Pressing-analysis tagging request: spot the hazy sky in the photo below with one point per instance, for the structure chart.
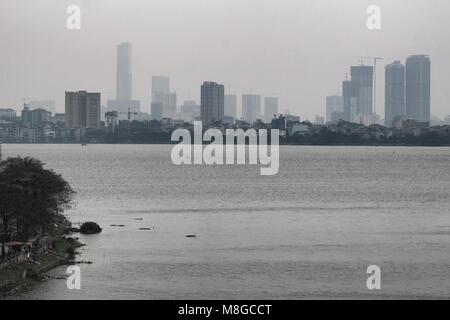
(298, 50)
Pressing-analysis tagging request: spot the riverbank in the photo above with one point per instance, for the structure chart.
(25, 275)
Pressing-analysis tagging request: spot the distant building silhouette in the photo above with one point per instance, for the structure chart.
(161, 94)
(124, 83)
(7, 114)
(212, 102)
(251, 107)
(157, 110)
(270, 108)
(394, 93)
(82, 110)
(350, 102)
(230, 105)
(160, 85)
(124, 73)
(362, 88)
(48, 105)
(418, 87)
(334, 108)
(190, 111)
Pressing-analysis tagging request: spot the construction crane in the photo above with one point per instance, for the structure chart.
(375, 59)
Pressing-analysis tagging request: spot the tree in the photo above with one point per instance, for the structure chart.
(30, 195)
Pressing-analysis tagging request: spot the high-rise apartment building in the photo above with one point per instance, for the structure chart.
(251, 107)
(418, 88)
(362, 89)
(82, 109)
(212, 103)
(394, 106)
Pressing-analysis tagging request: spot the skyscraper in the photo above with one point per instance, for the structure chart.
(212, 102)
(350, 102)
(394, 93)
(160, 85)
(362, 89)
(270, 108)
(124, 72)
(418, 87)
(82, 110)
(230, 105)
(161, 94)
(124, 83)
(334, 108)
(251, 107)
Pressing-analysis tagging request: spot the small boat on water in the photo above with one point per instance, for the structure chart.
(191, 236)
(84, 144)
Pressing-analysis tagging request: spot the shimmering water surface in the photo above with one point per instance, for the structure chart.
(308, 232)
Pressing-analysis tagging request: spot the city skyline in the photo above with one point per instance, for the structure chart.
(301, 74)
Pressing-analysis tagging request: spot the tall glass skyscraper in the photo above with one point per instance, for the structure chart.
(394, 93)
(418, 79)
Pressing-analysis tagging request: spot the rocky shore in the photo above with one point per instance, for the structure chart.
(24, 275)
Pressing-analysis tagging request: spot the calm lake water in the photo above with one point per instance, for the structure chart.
(309, 232)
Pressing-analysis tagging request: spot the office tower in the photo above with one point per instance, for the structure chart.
(82, 110)
(124, 84)
(334, 108)
(394, 106)
(251, 107)
(157, 111)
(161, 94)
(124, 72)
(418, 87)
(362, 89)
(270, 108)
(160, 85)
(230, 105)
(212, 103)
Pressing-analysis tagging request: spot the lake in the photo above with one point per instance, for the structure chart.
(310, 231)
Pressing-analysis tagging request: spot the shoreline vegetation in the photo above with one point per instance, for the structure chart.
(35, 236)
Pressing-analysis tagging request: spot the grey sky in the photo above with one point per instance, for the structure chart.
(298, 50)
